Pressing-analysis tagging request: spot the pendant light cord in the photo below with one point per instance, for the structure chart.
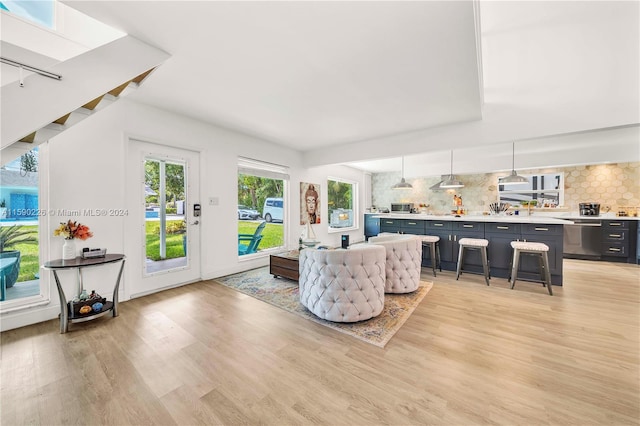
(451, 168)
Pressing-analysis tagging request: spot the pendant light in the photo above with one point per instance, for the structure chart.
(402, 184)
(451, 181)
(513, 178)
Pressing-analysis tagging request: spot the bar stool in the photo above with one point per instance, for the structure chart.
(474, 244)
(531, 248)
(432, 241)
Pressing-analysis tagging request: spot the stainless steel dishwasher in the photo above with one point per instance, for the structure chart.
(583, 239)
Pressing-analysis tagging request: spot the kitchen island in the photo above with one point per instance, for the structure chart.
(497, 229)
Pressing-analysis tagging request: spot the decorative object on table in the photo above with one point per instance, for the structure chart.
(284, 294)
(309, 203)
(87, 302)
(70, 231)
(499, 208)
(457, 202)
(88, 253)
(308, 238)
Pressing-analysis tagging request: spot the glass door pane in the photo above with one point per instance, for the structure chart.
(19, 228)
(165, 225)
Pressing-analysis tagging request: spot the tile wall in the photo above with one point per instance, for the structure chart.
(612, 185)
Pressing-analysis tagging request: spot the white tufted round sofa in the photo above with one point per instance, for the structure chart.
(404, 261)
(343, 285)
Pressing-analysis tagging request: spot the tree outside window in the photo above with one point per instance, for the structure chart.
(341, 196)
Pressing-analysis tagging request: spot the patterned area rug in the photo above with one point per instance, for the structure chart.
(283, 293)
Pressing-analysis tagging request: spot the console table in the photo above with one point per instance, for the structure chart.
(67, 313)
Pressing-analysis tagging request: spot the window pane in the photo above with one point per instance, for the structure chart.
(40, 11)
(546, 190)
(341, 203)
(260, 200)
(19, 227)
(164, 216)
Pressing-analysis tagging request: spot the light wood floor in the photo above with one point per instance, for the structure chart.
(469, 354)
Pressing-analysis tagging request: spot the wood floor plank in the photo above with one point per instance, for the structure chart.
(469, 354)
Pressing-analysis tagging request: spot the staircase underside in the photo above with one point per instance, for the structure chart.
(45, 107)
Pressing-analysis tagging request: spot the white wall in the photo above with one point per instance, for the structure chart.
(87, 171)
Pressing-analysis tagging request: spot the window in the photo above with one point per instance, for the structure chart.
(341, 199)
(20, 231)
(546, 190)
(261, 206)
(41, 12)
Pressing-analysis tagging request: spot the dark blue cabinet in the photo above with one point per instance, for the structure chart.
(371, 225)
(499, 235)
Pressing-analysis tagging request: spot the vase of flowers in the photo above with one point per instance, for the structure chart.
(71, 230)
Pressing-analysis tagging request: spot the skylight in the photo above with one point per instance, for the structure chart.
(41, 12)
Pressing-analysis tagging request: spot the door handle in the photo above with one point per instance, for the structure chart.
(195, 222)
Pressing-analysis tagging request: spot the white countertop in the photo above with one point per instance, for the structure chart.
(469, 218)
(537, 217)
(606, 216)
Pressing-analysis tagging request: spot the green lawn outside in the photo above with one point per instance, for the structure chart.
(273, 233)
(29, 256)
(174, 246)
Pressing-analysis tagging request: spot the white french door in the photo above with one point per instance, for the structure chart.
(163, 230)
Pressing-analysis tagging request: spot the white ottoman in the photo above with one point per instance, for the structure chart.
(404, 261)
(343, 285)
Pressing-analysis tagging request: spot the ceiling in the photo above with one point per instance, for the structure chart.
(378, 78)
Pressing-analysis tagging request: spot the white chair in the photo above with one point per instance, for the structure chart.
(404, 261)
(343, 285)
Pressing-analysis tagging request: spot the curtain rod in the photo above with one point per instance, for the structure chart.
(30, 68)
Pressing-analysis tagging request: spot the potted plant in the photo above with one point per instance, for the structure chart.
(11, 236)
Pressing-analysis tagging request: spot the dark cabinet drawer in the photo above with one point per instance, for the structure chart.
(472, 227)
(615, 249)
(390, 225)
(435, 225)
(615, 224)
(391, 222)
(503, 228)
(413, 226)
(609, 234)
(533, 229)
